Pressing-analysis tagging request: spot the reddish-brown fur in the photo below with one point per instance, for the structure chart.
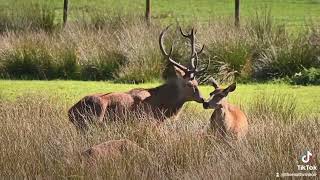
(161, 102)
(111, 150)
(93, 108)
(227, 119)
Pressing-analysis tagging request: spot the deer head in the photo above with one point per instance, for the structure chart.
(186, 76)
(218, 95)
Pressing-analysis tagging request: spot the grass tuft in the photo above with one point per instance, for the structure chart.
(39, 141)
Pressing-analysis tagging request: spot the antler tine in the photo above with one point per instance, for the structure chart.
(168, 56)
(161, 43)
(191, 37)
(183, 34)
(193, 57)
(193, 48)
(199, 52)
(183, 68)
(214, 83)
(195, 61)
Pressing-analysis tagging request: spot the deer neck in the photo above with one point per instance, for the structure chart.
(223, 104)
(168, 95)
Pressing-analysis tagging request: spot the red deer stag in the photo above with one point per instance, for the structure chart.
(162, 102)
(227, 119)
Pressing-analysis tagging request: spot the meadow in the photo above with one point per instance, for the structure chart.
(94, 45)
(38, 141)
(107, 46)
(297, 12)
(69, 92)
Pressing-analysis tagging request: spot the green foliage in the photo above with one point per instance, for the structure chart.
(126, 50)
(275, 53)
(309, 76)
(146, 68)
(105, 67)
(231, 58)
(38, 63)
(69, 68)
(29, 63)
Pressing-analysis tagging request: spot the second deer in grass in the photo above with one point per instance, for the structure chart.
(227, 119)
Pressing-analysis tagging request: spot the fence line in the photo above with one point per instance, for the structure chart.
(65, 12)
(148, 12)
(237, 13)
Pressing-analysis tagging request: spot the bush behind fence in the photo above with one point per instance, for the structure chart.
(125, 49)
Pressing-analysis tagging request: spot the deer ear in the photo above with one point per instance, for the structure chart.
(179, 72)
(231, 88)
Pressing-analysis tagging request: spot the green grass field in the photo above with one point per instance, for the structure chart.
(291, 12)
(306, 97)
(38, 141)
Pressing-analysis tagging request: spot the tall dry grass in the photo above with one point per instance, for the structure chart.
(123, 48)
(38, 141)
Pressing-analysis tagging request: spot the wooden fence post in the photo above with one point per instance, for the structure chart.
(65, 12)
(148, 11)
(237, 13)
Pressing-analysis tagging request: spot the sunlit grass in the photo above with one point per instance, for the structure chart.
(296, 11)
(307, 97)
(38, 141)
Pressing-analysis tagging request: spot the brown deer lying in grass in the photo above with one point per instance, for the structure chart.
(227, 119)
(112, 150)
(162, 102)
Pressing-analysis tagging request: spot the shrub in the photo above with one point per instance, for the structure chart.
(127, 50)
(69, 67)
(231, 58)
(33, 60)
(309, 76)
(30, 63)
(144, 70)
(105, 67)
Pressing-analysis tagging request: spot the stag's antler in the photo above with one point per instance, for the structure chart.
(194, 55)
(168, 56)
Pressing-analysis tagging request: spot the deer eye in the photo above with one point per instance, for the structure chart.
(211, 94)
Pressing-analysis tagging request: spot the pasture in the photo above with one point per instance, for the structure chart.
(37, 139)
(296, 14)
(306, 98)
(106, 46)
